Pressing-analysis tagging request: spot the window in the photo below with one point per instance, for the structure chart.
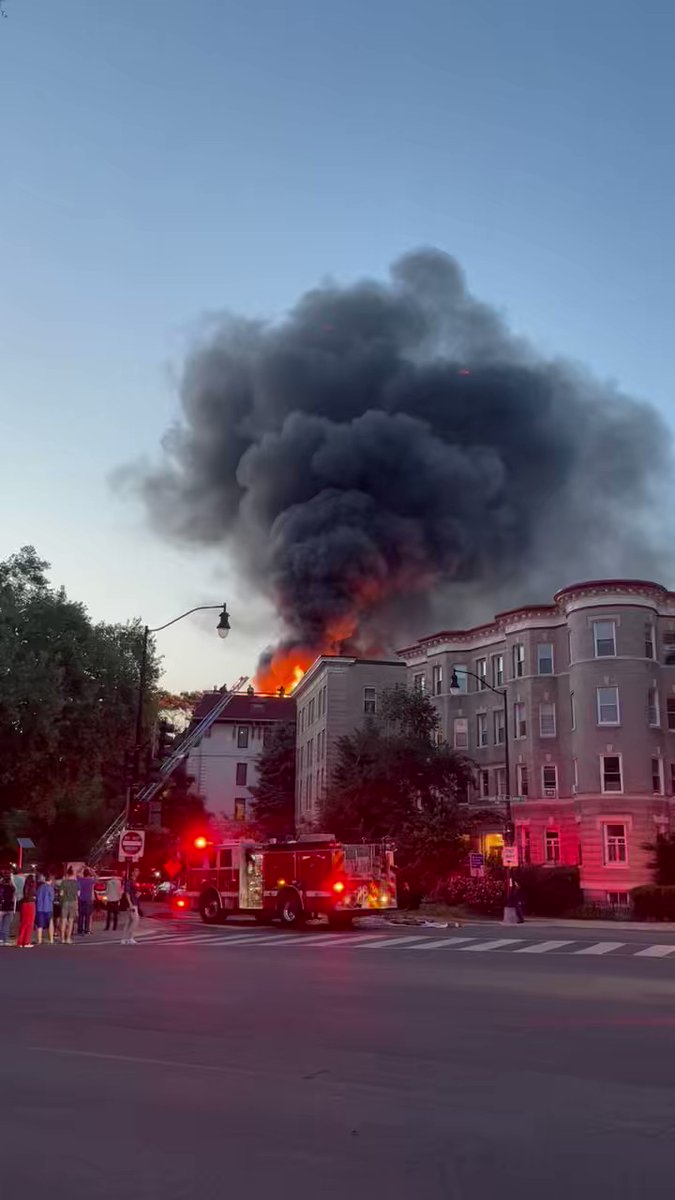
(672, 778)
(369, 700)
(225, 859)
(242, 737)
(657, 776)
(649, 641)
(300, 754)
(462, 679)
(498, 726)
(604, 639)
(481, 672)
(615, 843)
(310, 713)
(518, 661)
(484, 783)
(670, 710)
(420, 682)
(461, 733)
(524, 852)
(612, 780)
(575, 775)
(301, 720)
(437, 678)
(498, 670)
(545, 658)
(319, 703)
(618, 899)
(522, 779)
(653, 707)
(481, 730)
(547, 720)
(310, 751)
(549, 780)
(500, 781)
(552, 846)
(519, 720)
(608, 705)
(573, 711)
(267, 736)
(569, 646)
(242, 773)
(240, 810)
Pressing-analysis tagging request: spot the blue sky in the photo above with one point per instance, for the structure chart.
(166, 159)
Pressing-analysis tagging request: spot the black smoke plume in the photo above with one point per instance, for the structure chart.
(390, 456)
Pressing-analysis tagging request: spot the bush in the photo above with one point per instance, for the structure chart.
(653, 903)
(549, 891)
(452, 890)
(485, 895)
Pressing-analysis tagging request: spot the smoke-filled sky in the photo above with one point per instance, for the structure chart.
(388, 441)
(163, 161)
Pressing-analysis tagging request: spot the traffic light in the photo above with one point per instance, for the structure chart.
(166, 733)
(509, 833)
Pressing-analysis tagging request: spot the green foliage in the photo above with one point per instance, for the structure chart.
(68, 691)
(663, 862)
(393, 780)
(549, 891)
(653, 903)
(274, 792)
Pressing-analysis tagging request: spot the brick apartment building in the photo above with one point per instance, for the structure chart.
(590, 685)
(225, 763)
(333, 698)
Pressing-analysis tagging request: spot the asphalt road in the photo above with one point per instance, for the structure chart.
(306, 1070)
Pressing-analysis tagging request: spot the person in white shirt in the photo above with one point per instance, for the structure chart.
(113, 895)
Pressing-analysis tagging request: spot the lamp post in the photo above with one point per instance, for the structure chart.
(222, 629)
(509, 830)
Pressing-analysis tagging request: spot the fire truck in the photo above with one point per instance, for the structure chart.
(291, 882)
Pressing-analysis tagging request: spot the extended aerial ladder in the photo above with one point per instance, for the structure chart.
(182, 747)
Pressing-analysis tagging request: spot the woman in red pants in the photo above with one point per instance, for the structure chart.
(27, 919)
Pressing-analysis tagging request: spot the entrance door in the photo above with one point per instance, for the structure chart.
(251, 879)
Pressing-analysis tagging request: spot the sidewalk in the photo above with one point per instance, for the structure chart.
(452, 922)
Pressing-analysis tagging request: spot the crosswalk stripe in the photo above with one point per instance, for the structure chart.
(386, 943)
(338, 942)
(493, 945)
(434, 943)
(317, 939)
(600, 948)
(542, 947)
(655, 952)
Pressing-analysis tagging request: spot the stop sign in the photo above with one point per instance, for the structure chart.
(132, 843)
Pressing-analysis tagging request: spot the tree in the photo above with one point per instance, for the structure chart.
(68, 693)
(274, 793)
(395, 779)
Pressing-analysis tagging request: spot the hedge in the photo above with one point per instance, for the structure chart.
(549, 891)
(653, 903)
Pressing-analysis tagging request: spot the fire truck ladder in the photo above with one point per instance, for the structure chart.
(190, 739)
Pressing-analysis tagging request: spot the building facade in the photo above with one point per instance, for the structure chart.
(225, 763)
(590, 720)
(334, 697)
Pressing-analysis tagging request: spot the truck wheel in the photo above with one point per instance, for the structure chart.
(210, 910)
(339, 922)
(291, 912)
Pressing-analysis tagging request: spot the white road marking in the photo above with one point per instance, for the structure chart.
(494, 945)
(338, 942)
(600, 948)
(437, 943)
(387, 943)
(655, 952)
(542, 947)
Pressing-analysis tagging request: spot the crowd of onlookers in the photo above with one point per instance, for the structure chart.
(39, 906)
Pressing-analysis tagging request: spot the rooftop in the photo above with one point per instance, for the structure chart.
(242, 707)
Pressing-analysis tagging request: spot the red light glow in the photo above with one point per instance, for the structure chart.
(201, 843)
(181, 903)
(339, 886)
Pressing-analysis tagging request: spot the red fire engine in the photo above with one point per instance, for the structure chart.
(291, 882)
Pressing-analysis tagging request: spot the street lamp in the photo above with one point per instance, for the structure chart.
(509, 831)
(222, 629)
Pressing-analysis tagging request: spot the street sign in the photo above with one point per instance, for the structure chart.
(510, 856)
(476, 865)
(132, 844)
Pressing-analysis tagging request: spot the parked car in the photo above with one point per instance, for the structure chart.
(164, 891)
